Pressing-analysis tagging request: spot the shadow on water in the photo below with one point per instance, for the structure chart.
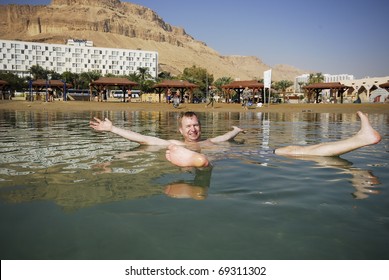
(364, 181)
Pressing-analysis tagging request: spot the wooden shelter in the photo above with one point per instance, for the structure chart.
(49, 85)
(240, 86)
(316, 88)
(4, 86)
(104, 82)
(180, 85)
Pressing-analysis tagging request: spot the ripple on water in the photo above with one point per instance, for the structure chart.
(54, 170)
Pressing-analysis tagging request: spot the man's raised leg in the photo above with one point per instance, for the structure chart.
(367, 135)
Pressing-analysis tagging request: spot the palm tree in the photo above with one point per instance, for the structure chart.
(282, 86)
(144, 73)
(87, 77)
(164, 75)
(70, 77)
(38, 72)
(301, 84)
(145, 79)
(315, 78)
(221, 82)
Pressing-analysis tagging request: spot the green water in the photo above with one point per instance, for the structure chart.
(67, 192)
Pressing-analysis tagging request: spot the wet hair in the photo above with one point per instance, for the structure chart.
(188, 114)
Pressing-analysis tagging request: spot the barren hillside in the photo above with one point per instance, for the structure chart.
(116, 24)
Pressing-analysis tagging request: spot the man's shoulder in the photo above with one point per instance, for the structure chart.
(206, 142)
(176, 142)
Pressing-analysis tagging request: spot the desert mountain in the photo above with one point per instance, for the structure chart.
(116, 24)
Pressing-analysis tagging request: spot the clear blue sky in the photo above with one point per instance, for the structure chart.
(328, 36)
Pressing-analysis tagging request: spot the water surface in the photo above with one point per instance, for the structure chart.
(67, 192)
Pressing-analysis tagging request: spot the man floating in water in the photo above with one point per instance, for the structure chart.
(190, 129)
(183, 153)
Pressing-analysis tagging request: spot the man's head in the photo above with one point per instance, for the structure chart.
(190, 127)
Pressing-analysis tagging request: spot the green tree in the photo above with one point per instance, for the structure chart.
(315, 78)
(145, 80)
(198, 76)
(67, 76)
(85, 78)
(282, 86)
(164, 75)
(301, 84)
(38, 72)
(72, 78)
(219, 83)
(144, 73)
(135, 77)
(14, 81)
(54, 75)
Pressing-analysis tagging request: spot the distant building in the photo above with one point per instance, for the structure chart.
(77, 56)
(79, 43)
(366, 89)
(337, 78)
(302, 80)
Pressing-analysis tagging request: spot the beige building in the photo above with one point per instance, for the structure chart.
(367, 89)
(364, 88)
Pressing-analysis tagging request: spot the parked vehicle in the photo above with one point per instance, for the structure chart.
(79, 94)
(118, 93)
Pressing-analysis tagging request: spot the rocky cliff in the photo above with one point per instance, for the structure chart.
(112, 23)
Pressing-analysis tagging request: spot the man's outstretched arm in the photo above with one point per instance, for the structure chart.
(227, 136)
(106, 125)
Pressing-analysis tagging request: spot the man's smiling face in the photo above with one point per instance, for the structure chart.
(190, 129)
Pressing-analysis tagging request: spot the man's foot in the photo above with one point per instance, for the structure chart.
(367, 134)
(183, 157)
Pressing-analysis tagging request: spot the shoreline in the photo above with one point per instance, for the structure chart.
(77, 106)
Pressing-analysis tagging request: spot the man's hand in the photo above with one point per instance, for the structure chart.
(235, 128)
(99, 125)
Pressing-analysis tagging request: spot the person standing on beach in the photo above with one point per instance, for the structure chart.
(190, 129)
(176, 100)
(211, 98)
(129, 95)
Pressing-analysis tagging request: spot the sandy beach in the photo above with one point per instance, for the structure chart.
(218, 107)
(68, 106)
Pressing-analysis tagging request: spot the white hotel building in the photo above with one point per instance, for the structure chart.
(302, 80)
(77, 56)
